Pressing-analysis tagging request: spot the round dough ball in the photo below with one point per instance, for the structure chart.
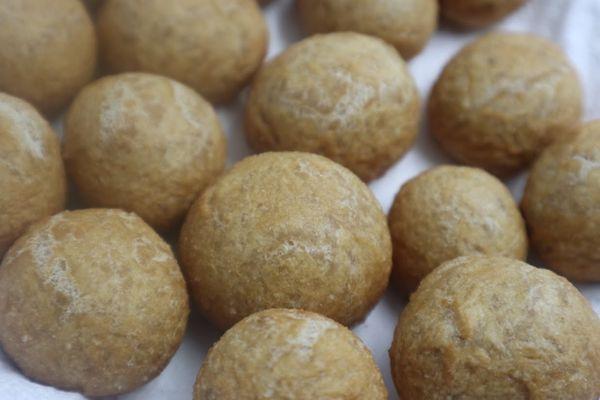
(143, 143)
(477, 13)
(289, 354)
(213, 46)
(405, 24)
(346, 96)
(502, 99)
(290, 230)
(93, 301)
(448, 212)
(47, 51)
(32, 176)
(495, 328)
(562, 205)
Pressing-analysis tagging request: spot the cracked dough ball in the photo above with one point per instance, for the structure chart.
(502, 99)
(143, 143)
(47, 51)
(562, 205)
(93, 301)
(346, 96)
(477, 13)
(213, 46)
(405, 24)
(32, 176)
(495, 328)
(290, 230)
(289, 354)
(448, 212)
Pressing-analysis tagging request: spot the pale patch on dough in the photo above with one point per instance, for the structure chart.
(120, 105)
(586, 166)
(182, 100)
(26, 127)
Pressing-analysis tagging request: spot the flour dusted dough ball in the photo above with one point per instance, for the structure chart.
(32, 176)
(405, 24)
(448, 212)
(562, 205)
(346, 96)
(92, 301)
(289, 354)
(290, 230)
(213, 46)
(495, 328)
(47, 51)
(143, 143)
(502, 99)
(477, 13)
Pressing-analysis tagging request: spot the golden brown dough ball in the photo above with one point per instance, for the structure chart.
(448, 212)
(495, 328)
(93, 301)
(346, 96)
(213, 46)
(47, 51)
(405, 24)
(562, 205)
(143, 143)
(32, 176)
(477, 13)
(502, 99)
(290, 230)
(289, 354)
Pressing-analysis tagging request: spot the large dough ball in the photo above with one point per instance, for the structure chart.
(143, 143)
(346, 96)
(32, 176)
(562, 205)
(495, 328)
(405, 24)
(213, 46)
(291, 230)
(92, 301)
(47, 51)
(502, 99)
(449, 212)
(289, 354)
(477, 13)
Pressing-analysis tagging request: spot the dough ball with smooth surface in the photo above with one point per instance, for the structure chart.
(405, 24)
(502, 99)
(212, 46)
(346, 96)
(447, 212)
(477, 13)
(47, 51)
(562, 205)
(143, 143)
(288, 230)
(92, 301)
(32, 176)
(495, 328)
(289, 354)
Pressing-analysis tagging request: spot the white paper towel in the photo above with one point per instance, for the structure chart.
(574, 24)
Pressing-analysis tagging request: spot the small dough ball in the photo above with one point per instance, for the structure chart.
(213, 46)
(477, 13)
(405, 24)
(495, 328)
(448, 212)
(502, 99)
(93, 301)
(346, 96)
(47, 51)
(562, 206)
(290, 230)
(289, 354)
(32, 176)
(143, 143)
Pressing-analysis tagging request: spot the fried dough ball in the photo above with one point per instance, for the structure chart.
(93, 301)
(495, 328)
